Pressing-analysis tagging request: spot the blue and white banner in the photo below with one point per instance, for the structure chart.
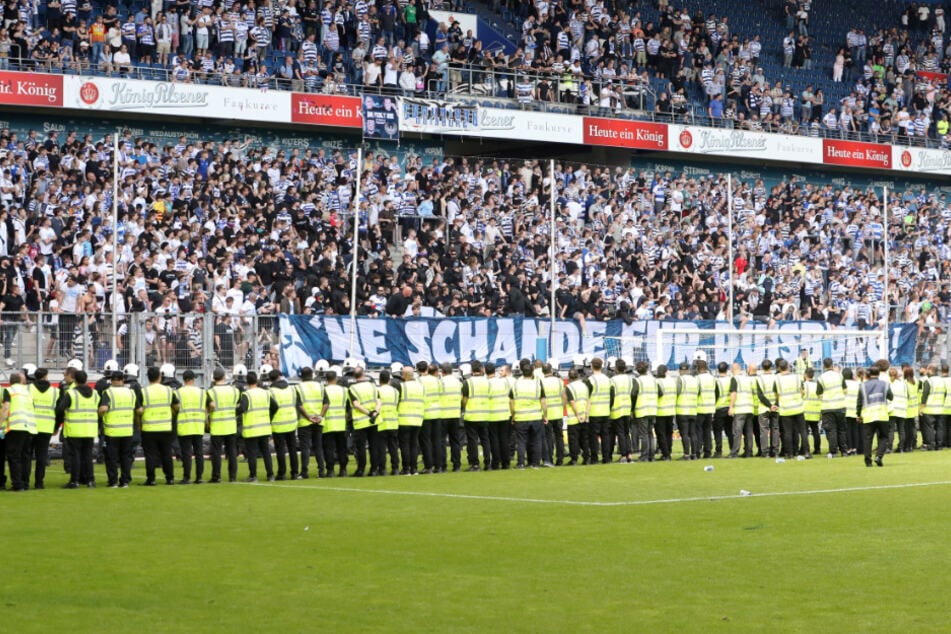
(306, 339)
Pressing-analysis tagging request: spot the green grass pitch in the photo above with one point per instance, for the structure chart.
(643, 547)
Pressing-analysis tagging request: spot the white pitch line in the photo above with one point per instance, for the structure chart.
(499, 498)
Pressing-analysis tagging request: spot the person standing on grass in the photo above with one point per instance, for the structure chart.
(722, 421)
(688, 393)
(221, 402)
(192, 418)
(333, 416)
(500, 421)
(768, 418)
(410, 417)
(599, 413)
(646, 394)
(622, 385)
(19, 423)
(932, 408)
(790, 408)
(475, 405)
(831, 389)
(254, 408)
(364, 411)
(310, 399)
(430, 434)
(871, 410)
(117, 410)
(666, 409)
(812, 411)
(943, 424)
(156, 408)
(852, 385)
(741, 410)
(284, 425)
(388, 424)
(529, 416)
(45, 396)
(706, 408)
(451, 425)
(554, 431)
(78, 408)
(576, 394)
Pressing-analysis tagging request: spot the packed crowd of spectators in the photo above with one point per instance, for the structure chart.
(229, 232)
(598, 55)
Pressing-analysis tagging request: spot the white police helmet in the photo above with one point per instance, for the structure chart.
(699, 355)
(75, 364)
(240, 370)
(110, 366)
(265, 370)
(465, 369)
(321, 366)
(396, 367)
(131, 369)
(336, 369)
(167, 370)
(29, 369)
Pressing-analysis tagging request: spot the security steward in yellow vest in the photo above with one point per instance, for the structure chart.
(410, 416)
(365, 407)
(78, 408)
(688, 394)
(790, 407)
(622, 385)
(943, 424)
(932, 407)
(191, 421)
(706, 407)
(475, 405)
(333, 414)
(45, 396)
(221, 403)
(646, 394)
(722, 421)
(284, 425)
(255, 408)
(554, 432)
(812, 410)
(310, 400)
(871, 409)
(599, 413)
(743, 390)
(388, 422)
(19, 424)
(830, 387)
(853, 381)
(69, 380)
(666, 410)
(500, 418)
(156, 407)
(431, 436)
(576, 397)
(768, 416)
(450, 421)
(117, 411)
(529, 416)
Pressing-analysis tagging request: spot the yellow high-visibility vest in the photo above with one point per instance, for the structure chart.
(118, 420)
(224, 420)
(156, 408)
(20, 416)
(44, 409)
(191, 412)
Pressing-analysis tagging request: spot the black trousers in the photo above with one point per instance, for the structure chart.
(722, 423)
(335, 450)
(705, 426)
(621, 430)
(118, 462)
(664, 428)
(942, 427)
(366, 440)
(157, 446)
(577, 438)
(555, 440)
(528, 435)
(813, 428)
(431, 441)
(192, 449)
(837, 432)
(794, 434)
(80, 460)
(500, 433)
(870, 430)
(927, 430)
(477, 434)
(453, 429)
(645, 435)
(389, 441)
(258, 446)
(3, 463)
(310, 439)
(41, 457)
(228, 443)
(599, 443)
(856, 435)
(409, 448)
(19, 455)
(689, 435)
(286, 443)
(909, 436)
